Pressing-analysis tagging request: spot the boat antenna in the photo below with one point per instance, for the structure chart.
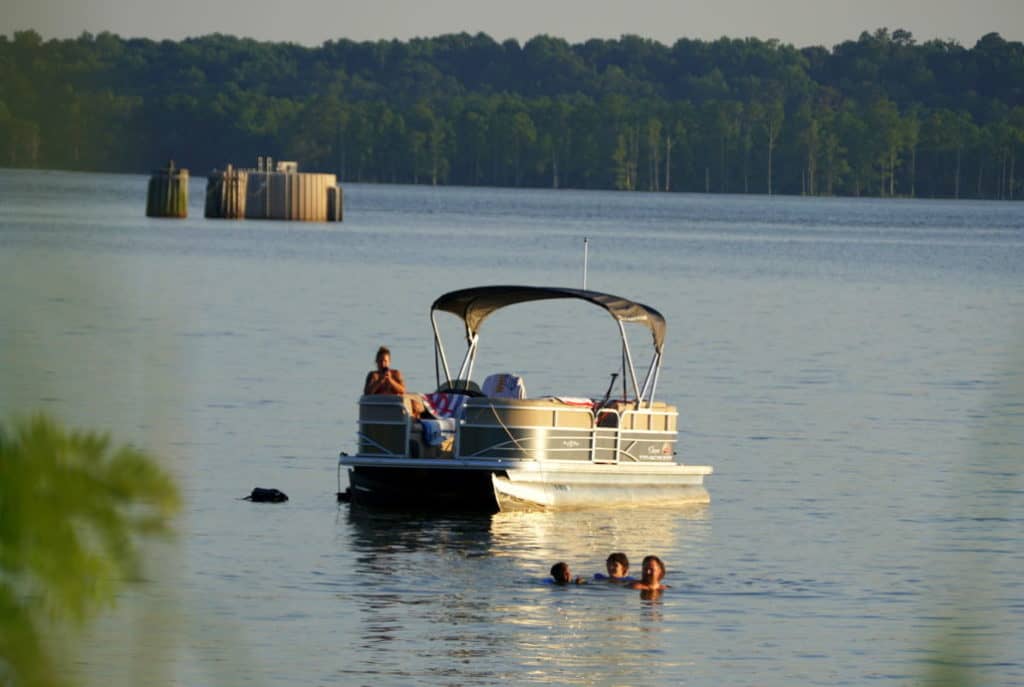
(585, 251)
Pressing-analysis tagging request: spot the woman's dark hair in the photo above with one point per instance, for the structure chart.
(559, 572)
(383, 350)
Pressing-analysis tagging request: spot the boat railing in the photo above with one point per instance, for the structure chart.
(502, 429)
(549, 429)
(390, 426)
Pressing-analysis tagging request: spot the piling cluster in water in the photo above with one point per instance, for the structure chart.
(273, 192)
(267, 192)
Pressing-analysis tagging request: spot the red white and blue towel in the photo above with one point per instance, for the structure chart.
(442, 404)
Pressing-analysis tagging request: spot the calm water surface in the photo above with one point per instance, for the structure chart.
(851, 368)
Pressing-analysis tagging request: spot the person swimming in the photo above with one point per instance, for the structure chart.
(653, 572)
(617, 565)
(561, 575)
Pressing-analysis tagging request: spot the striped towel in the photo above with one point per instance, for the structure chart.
(443, 404)
(575, 401)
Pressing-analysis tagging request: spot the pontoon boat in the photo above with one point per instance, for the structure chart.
(490, 447)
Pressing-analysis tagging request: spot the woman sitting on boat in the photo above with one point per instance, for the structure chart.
(384, 380)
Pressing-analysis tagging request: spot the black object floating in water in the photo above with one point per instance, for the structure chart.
(261, 495)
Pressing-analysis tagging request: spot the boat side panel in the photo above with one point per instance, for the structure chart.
(525, 443)
(646, 446)
(543, 443)
(383, 425)
(658, 418)
(549, 430)
(526, 413)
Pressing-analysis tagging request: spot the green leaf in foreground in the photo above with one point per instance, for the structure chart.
(73, 511)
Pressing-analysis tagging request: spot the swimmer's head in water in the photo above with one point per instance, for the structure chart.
(617, 565)
(653, 570)
(560, 573)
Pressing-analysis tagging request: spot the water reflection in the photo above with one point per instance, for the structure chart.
(576, 536)
(463, 599)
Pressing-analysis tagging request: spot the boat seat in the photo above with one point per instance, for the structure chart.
(504, 385)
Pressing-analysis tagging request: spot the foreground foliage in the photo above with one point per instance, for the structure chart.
(73, 511)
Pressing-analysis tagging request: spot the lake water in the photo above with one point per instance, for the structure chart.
(853, 370)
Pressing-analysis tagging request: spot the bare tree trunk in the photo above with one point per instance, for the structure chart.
(517, 163)
(812, 171)
(656, 166)
(722, 168)
(668, 163)
(635, 159)
(829, 162)
(913, 172)
(892, 172)
(746, 168)
(1002, 176)
(1013, 160)
(746, 160)
(956, 181)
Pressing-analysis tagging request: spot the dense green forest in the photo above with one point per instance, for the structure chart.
(882, 115)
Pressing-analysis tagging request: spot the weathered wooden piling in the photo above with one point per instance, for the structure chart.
(168, 192)
(226, 194)
(281, 192)
(335, 204)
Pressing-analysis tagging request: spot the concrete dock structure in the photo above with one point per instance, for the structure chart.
(273, 192)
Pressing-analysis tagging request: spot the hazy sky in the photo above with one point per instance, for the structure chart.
(311, 22)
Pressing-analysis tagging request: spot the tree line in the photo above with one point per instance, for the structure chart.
(882, 115)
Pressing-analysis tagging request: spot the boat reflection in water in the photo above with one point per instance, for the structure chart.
(464, 599)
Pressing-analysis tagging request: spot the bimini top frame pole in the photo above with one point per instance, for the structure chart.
(441, 360)
(474, 305)
(629, 360)
(651, 380)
